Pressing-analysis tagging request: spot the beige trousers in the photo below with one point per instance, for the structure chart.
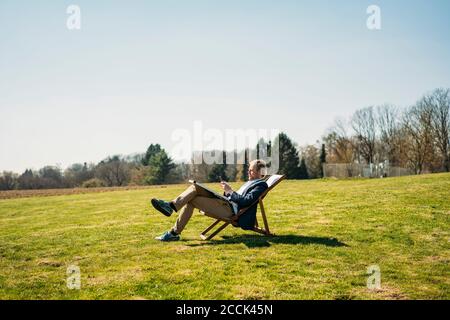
(194, 197)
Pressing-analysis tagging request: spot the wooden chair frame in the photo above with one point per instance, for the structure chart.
(234, 220)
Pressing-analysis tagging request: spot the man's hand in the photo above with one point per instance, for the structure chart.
(226, 188)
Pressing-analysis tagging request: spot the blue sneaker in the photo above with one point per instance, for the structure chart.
(168, 236)
(162, 206)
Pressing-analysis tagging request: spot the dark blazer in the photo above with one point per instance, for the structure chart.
(247, 220)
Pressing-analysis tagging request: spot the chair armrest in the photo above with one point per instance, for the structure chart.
(242, 211)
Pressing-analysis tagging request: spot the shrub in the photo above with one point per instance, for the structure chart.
(93, 183)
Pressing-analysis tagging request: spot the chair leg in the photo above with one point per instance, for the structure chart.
(225, 224)
(212, 235)
(210, 227)
(265, 230)
(263, 214)
(262, 231)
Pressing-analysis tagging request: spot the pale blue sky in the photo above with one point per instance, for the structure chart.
(138, 70)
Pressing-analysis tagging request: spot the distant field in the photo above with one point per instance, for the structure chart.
(12, 194)
(328, 233)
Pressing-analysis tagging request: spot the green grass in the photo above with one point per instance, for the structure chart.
(329, 232)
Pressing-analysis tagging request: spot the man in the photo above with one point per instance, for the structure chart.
(196, 197)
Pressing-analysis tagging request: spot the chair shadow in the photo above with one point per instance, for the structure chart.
(254, 241)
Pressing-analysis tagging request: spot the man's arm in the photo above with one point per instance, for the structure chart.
(250, 197)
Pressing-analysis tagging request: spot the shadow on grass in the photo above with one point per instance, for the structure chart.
(252, 241)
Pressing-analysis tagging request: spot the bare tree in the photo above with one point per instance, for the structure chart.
(389, 130)
(114, 171)
(50, 177)
(339, 145)
(8, 180)
(418, 126)
(439, 102)
(311, 154)
(199, 170)
(77, 173)
(363, 123)
(29, 180)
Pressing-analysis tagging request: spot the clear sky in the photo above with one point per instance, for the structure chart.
(138, 70)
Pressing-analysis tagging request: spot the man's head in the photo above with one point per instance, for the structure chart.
(256, 169)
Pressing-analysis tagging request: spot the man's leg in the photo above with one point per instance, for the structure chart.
(183, 218)
(187, 195)
(189, 199)
(211, 206)
(167, 207)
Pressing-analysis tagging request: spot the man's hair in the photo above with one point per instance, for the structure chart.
(259, 165)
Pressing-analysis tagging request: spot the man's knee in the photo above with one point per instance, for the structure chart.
(194, 187)
(191, 189)
(193, 203)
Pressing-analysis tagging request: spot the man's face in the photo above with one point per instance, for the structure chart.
(253, 173)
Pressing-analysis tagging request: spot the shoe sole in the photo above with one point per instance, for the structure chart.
(155, 205)
(176, 239)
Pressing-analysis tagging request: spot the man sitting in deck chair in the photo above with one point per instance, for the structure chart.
(196, 197)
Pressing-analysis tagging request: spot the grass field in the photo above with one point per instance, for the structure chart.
(328, 233)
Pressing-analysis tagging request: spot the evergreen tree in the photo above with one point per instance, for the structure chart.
(244, 173)
(288, 157)
(323, 159)
(303, 170)
(151, 151)
(160, 165)
(219, 170)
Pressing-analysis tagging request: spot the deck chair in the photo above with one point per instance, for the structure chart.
(271, 181)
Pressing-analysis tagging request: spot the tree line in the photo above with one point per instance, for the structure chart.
(153, 167)
(416, 137)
